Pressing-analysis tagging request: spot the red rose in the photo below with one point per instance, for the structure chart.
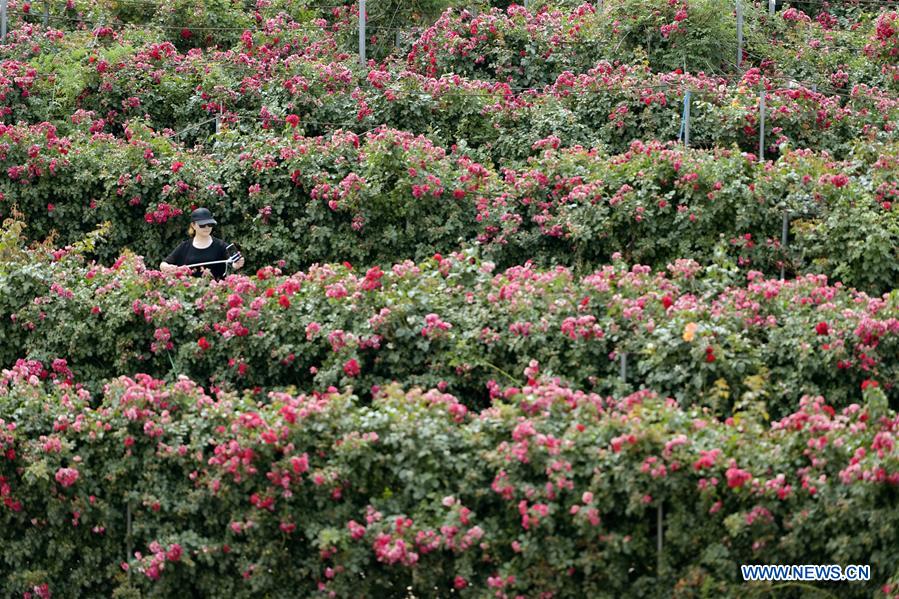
(667, 302)
(176, 166)
(292, 120)
(869, 383)
(709, 354)
(821, 328)
(284, 301)
(204, 345)
(351, 368)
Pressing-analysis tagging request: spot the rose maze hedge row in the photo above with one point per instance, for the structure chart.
(158, 489)
(389, 195)
(701, 335)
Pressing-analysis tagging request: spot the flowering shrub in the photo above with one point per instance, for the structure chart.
(347, 195)
(298, 69)
(159, 488)
(467, 388)
(701, 335)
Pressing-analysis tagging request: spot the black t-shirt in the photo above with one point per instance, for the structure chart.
(186, 254)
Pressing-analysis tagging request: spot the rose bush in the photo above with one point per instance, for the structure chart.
(388, 195)
(285, 67)
(704, 335)
(160, 488)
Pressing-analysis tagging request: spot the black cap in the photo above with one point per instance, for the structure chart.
(202, 216)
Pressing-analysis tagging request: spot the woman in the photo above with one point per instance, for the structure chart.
(201, 249)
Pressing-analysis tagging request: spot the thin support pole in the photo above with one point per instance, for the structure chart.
(624, 367)
(687, 119)
(362, 60)
(783, 240)
(659, 539)
(762, 126)
(3, 20)
(128, 547)
(739, 34)
(46, 13)
(771, 7)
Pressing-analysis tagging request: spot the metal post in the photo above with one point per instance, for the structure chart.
(771, 7)
(218, 123)
(687, 119)
(128, 546)
(783, 240)
(46, 13)
(659, 540)
(762, 126)
(3, 20)
(362, 32)
(739, 34)
(624, 367)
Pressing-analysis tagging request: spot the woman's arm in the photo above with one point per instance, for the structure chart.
(174, 260)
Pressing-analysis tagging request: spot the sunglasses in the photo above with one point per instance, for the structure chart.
(204, 226)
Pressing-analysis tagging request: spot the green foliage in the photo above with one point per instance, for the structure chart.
(153, 489)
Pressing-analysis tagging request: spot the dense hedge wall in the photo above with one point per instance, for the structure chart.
(388, 195)
(155, 489)
(701, 335)
(603, 103)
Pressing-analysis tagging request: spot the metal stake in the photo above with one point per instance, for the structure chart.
(783, 240)
(762, 126)
(128, 546)
(362, 32)
(659, 539)
(739, 34)
(3, 20)
(687, 119)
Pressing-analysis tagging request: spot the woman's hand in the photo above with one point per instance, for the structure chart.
(239, 264)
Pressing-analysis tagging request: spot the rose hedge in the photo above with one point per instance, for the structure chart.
(116, 75)
(388, 196)
(288, 67)
(657, 202)
(155, 489)
(285, 71)
(533, 48)
(703, 335)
